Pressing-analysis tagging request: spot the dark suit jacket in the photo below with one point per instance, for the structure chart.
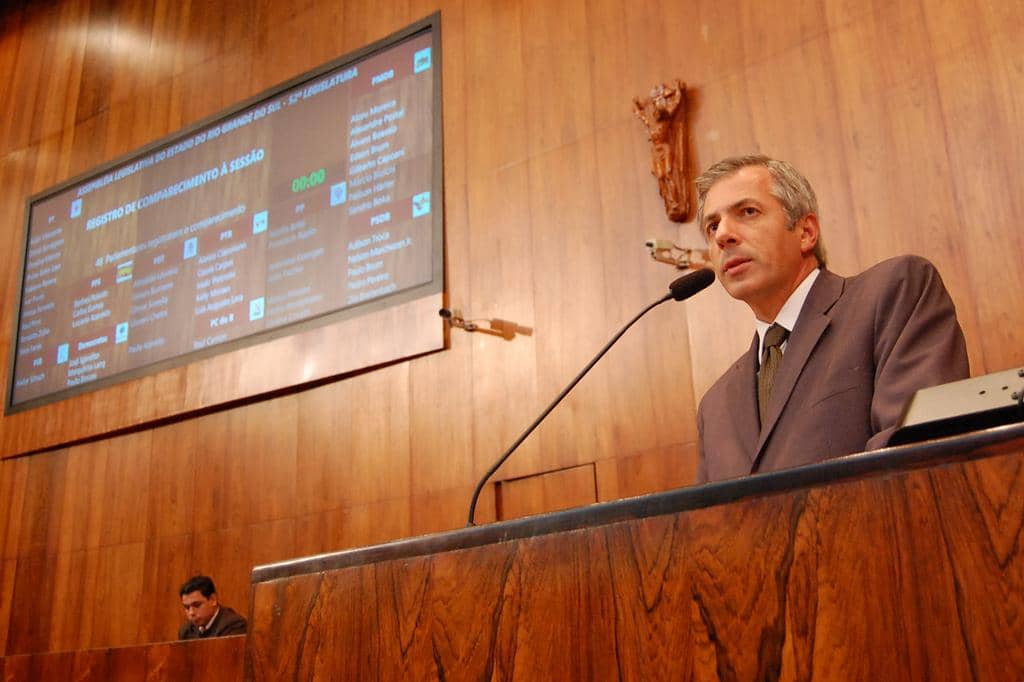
(860, 348)
(226, 622)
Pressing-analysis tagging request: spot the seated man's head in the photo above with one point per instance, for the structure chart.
(199, 597)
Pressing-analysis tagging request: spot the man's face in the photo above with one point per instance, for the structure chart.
(757, 259)
(199, 609)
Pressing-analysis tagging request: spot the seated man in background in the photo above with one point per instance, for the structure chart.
(207, 617)
(834, 359)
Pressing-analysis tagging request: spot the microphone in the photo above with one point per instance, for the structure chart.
(679, 290)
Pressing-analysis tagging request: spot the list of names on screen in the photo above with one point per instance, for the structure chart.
(314, 200)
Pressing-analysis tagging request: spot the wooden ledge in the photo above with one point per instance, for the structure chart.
(977, 445)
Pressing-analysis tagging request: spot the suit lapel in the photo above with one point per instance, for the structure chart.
(810, 325)
(742, 397)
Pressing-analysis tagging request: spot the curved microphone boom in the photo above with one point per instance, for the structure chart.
(679, 290)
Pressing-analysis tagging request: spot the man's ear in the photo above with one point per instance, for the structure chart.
(809, 232)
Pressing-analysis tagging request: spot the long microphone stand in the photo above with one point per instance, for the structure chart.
(681, 289)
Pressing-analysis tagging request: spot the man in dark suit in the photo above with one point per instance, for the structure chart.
(834, 359)
(207, 617)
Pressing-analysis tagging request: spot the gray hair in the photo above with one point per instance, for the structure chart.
(788, 186)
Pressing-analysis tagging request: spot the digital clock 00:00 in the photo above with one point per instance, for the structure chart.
(304, 182)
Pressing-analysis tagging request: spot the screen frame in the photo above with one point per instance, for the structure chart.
(436, 285)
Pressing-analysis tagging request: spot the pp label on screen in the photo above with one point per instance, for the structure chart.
(421, 60)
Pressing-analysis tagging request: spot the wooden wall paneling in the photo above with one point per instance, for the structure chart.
(441, 407)
(376, 522)
(378, 438)
(363, 23)
(219, 482)
(11, 37)
(97, 75)
(565, 255)
(126, 32)
(763, 549)
(216, 30)
(213, 659)
(44, 488)
(266, 450)
(226, 556)
(85, 499)
(8, 572)
(127, 479)
(645, 368)
(62, 68)
(32, 605)
(808, 103)
(457, 66)
(660, 468)
(25, 69)
(49, 667)
(502, 383)
(863, 590)
(448, 509)
(986, 499)
(303, 591)
(891, 113)
(209, 660)
(441, 386)
(353, 526)
(642, 562)
(633, 47)
(321, 447)
(491, 273)
(291, 37)
(14, 475)
(319, 532)
(128, 663)
(87, 144)
(74, 600)
(119, 580)
(543, 612)
(271, 541)
(172, 494)
(213, 85)
(548, 491)
(575, 325)
(167, 564)
(979, 93)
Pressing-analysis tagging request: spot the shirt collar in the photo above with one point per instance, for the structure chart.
(203, 628)
(790, 311)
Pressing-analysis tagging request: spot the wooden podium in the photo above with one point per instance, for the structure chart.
(904, 564)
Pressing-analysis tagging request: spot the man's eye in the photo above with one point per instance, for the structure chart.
(711, 227)
(749, 210)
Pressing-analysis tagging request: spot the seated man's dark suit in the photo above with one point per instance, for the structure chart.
(226, 622)
(860, 348)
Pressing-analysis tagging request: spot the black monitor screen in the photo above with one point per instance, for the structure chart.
(317, 201)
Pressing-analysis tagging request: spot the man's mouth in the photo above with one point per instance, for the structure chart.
(733, 262)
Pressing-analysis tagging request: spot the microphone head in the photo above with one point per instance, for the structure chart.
(691, 283)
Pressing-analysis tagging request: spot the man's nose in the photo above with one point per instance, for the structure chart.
(725, 233)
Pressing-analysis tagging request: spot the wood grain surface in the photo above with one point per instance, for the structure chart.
(904, 116)
(209, 660)
(909, 576)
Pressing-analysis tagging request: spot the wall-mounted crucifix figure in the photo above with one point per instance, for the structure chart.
(664, 114)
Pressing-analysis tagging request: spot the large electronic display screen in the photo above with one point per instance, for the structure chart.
(320, 199)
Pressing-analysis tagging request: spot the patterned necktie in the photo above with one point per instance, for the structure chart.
(771, 358)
